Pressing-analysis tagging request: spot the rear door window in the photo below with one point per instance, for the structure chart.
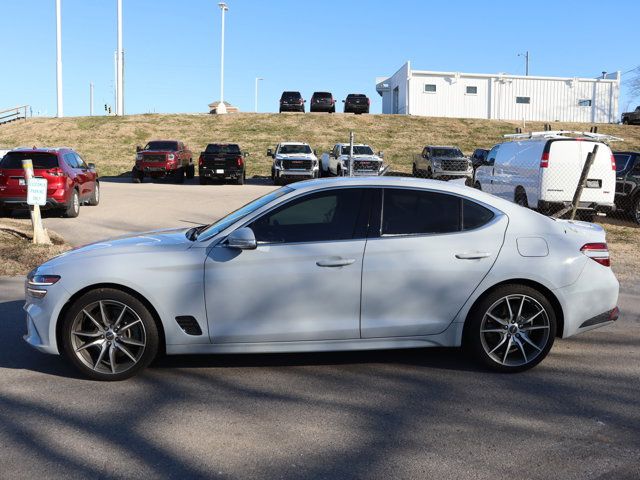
(41, 160)
(70, 160)
(474, 215)
(416, 212)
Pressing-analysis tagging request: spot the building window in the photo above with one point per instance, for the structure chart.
(584, 103)
(430, 88)
(472, 90)
(526, 100)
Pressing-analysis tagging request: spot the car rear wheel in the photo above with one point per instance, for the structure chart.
(635, 213)
(136, 175)
(94, 200)
(520, 197)
(109, 334)
(73, 208)
(511, 329)
(240, 179)
(178, 175)
(191, 170)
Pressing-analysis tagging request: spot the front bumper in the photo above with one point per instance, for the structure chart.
(41, 317)
(451, 174)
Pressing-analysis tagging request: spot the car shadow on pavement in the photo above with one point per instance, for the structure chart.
(194, 181)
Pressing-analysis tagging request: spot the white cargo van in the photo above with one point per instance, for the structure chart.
(541, 170)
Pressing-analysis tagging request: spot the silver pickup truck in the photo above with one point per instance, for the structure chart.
(365, 162)
(442, 163)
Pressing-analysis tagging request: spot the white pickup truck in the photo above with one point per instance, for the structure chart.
(365, 162)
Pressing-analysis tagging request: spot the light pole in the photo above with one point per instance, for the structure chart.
(256, 97)
(119, 64)
(60, 111)
(91, 99)
(221, 108)
(526, 62)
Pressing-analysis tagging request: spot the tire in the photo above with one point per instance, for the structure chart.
(634, 211)
(5, 212)
(241, 178)
(414, 170)
(178, 175)
(107, 358)
(520, 197)
(429, 173)
(333, 110)
(191, 170)
(73, 208)
(339, 172)
(510, 342)
(136, 175)
(94, 200)
(625, 121)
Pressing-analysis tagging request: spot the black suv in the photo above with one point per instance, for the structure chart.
(356, 103)
(628, 183)
(322, 102)
(291, 102)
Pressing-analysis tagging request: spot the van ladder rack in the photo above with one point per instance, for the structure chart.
(560, 133)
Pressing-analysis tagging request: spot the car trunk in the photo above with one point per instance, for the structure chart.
(45, 165)
(566, 159)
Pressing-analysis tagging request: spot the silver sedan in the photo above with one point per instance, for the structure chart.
(325, 265)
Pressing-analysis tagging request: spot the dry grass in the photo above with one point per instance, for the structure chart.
(18, 255)
(110, 142)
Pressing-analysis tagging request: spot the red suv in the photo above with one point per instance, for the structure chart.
(70, 181)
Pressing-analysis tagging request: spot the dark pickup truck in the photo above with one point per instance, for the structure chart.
(628, 183)
(629, 118)
(163, 158)
(222, 161)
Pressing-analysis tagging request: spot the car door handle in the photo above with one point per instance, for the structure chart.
(472, 256)
(335, 262)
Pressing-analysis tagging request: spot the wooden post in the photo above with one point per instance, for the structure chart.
(591, 156)
(40, 235)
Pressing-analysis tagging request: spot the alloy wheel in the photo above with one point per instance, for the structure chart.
(515, 330)
(108, 337)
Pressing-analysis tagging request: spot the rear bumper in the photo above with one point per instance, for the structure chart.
(321, 108)
(593, 206)
(356, 109)
(221, 173)
(292, 108)
(21, 202)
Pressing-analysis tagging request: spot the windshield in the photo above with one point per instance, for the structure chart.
(291, 96)
(446, 152)
(40, 160)
(218, 148)
(621, 161)
(358, 150)
(233, 217)
(294, 149)
(171, 146)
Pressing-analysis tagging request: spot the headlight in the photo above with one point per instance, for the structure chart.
(436, 163)
(171, 156)
(36, 282)
(138, 157)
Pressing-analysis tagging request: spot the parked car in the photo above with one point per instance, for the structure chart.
(356, 103)
(479, 156)
(293, 161)
(163, 158)
(70, 180)
(291, 102)
(630, 118)
(322, 102)
(444, 265)
(541, 170)
(442, 163)
(222, 161)
(365, 162)
(628, 183)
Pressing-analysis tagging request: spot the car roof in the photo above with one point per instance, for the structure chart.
(355, 144)
(41, 149)
(442, 146)
(356, 95)
(293, 143)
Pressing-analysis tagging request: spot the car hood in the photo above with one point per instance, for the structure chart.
(451, 158)
(155, 152)
(296, 156)
(372, 158)
(144, 242)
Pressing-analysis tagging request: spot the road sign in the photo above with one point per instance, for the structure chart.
(37, 191)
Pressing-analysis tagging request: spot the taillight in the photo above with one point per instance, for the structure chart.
(240, 161)
(544, 160)
(598, 252)
(55, 172)
(613, 163)
(301, 101)
(201, 160)
(368, 101)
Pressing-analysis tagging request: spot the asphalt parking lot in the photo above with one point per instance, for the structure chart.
(394, 414)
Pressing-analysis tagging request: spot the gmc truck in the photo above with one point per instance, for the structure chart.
(365, 162)
(163, 159)
(442, 163)
(222, 161)
(293, 161)
(629, 118)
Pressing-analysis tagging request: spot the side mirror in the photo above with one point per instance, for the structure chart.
(92, 166)
(344, 101)
(242, 239)
(246, 154)
(315, 152)
(138, 148)
(381, 154)
(269, 153)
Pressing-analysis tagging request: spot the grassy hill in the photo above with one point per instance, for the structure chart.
(110, 142)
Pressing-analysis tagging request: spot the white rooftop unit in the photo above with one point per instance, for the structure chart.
(500, 96)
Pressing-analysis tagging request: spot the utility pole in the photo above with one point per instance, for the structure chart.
(60, 111)
(526, 62)
(119, 64)
(221, 106)
(256, 96)
(91, 99)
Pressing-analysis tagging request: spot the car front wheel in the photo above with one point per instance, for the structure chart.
(511, 329)
(73, 208)
(95, 196)
(109, 334)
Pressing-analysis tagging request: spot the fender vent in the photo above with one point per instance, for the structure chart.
(189, 325)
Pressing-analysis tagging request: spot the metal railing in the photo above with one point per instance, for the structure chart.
(21, 112)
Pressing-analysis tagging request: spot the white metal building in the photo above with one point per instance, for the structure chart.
(500, 96)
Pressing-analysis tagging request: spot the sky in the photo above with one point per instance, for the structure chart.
(172, 47)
